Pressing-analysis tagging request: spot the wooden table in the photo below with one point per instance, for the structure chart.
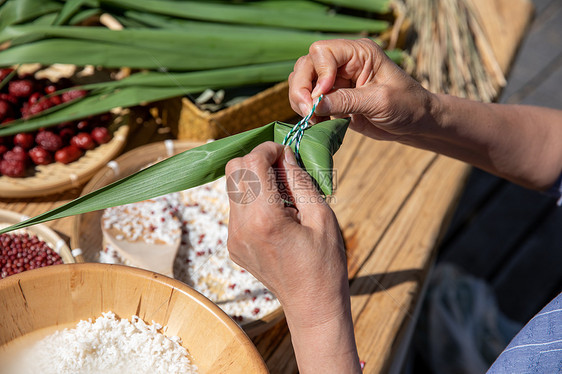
(393, 203)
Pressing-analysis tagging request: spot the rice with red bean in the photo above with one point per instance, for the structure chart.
(202, 261)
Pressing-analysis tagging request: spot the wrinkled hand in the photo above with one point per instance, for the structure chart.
(297, 252)
(358, 79)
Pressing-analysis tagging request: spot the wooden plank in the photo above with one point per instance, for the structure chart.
(374, 188)
(283, 361)
(504, 23)
(393, 276)
(343, 159)
(34, 206)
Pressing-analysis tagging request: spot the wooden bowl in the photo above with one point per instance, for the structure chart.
(44, 233)
(86, 231)
(35, 303)
(57, 177)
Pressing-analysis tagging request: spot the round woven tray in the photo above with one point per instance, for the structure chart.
(86, 231)
(8, 218)
(57, 177)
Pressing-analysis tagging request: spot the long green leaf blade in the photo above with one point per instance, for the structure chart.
(196, 54)
(19, 11)
(148, 88)
(320, 144)
(303, 19)
(70, 8)
(377, 6)
(198, 166)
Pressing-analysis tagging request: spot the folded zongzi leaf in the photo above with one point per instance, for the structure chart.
(204, 164)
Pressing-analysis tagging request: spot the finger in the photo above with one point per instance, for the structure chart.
(325, 64)
(317, 119)
(304, 193)
(300, 86)
(347, 101)
(343, 83)
(248, 178)
(338, 59)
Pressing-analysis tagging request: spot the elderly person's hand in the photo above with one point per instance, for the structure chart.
(358, 78)
(296, 251)
(520, 143)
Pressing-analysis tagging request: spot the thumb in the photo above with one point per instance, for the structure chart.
(344, 101)
(300, 187)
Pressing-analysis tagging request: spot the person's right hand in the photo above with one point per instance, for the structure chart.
(358, 79)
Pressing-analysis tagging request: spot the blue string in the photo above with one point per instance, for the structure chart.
(296, 133)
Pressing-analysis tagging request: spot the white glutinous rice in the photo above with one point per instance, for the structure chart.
(107, 345)
(202, 261)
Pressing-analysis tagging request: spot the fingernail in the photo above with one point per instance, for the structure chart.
(304, 109)
(290, 156)
(316, 92)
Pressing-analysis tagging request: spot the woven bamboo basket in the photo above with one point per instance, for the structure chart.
(57, 177)
(191, 123)
(39, 302)
(87, 233)
(44, 233)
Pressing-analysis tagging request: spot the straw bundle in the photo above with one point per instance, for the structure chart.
(451, 52)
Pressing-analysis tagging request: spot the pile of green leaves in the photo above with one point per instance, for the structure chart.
(176, 47)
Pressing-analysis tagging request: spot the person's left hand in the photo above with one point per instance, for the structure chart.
(296, 251)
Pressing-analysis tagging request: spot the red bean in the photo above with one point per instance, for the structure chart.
(20, 252)
(68, 154)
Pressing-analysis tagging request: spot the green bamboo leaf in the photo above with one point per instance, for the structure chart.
(396, 55)
(18, 11)
(166, 22)
(303, 19)
(318, 146)
(201, 33)
(83, 15)
(293, 4)
(152, 49)
(91, 105)
(202, 165)
(170, 50)
(144, 88)
(8, 78)
(217, 78)
(110, 55)
(129, 23)
(69, 9)
(48, 19)
(44, 20)
(377, 6)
